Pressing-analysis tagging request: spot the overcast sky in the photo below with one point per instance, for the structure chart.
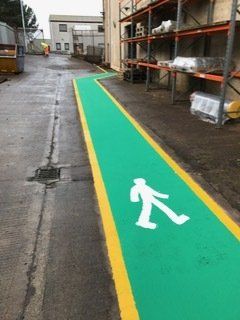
(43, 8)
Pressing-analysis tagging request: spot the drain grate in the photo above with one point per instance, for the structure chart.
(46, 175)
(50, 173)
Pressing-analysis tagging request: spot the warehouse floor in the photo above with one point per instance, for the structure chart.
(211, 155)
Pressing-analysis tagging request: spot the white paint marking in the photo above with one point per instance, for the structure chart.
(149, 198)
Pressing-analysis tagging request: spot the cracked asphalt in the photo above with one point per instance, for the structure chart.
(53, 262)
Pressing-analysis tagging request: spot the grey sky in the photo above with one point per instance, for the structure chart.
(43, 8)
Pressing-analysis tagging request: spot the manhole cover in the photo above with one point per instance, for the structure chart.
(46, 175)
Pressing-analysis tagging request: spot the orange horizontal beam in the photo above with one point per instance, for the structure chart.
(153, 66)
(132, 62)
(155, 5)
(206, 76)
(137, 1)
(144, 10)
(203, 30)
(134, 15)
(235, 74)
(137, 39)
(163, 36)
(224, 27)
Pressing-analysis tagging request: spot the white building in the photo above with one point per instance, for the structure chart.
(71, 34)
(112, 33)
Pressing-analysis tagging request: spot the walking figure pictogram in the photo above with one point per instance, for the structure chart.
(149, 198)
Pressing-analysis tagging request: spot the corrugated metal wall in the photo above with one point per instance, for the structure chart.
(7, 34)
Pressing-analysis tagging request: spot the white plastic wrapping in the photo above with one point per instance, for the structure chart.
(166, 26)
(198, 64)
(206, 106)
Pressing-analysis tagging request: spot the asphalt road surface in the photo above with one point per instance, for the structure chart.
(53, 262)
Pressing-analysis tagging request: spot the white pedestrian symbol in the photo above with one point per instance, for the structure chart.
(141, 191)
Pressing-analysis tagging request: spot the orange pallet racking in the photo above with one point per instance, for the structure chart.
(207, 30)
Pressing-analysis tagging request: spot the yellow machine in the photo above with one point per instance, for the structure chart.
(11, 58)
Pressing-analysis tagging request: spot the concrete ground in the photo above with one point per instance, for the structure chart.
(53, 262)
(210, 155)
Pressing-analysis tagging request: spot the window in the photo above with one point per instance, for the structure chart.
(58, 46)
(66, 46)
(62, 27)
(100, 28)
(80, 47)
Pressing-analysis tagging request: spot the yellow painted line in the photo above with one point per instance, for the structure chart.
(103, 70)
(194, 186)
(126, 301)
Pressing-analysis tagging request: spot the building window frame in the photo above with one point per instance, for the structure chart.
(100, 28)
(62, 27)
(58, 46)
(66, 46)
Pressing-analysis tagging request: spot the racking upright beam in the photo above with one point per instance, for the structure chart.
(228, 59)
(132, 44)
(149, 48)
(207, 39)
(176, 49)
(120, 35)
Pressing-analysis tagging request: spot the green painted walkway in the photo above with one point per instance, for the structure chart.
(176, 272)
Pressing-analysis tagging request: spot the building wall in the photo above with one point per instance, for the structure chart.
(106, 21)
(112, 35)
(63, 37)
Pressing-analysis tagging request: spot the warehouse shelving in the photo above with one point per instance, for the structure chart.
(190, 32)
(206, 76)
(136, 15)
(208, 30)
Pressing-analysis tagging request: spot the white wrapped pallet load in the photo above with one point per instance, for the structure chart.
(157, 30)
(165, 63)
(198, 64)
(166, 26)
(206, 106)
(169, 25)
